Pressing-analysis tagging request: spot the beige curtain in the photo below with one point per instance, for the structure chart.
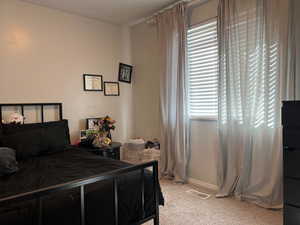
(250, 95)
(171, 26)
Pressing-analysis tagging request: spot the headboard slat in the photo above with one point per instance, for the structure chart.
(42, 113)
(0, 114)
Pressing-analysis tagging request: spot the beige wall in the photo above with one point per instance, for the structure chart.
(145, 56)
(43, 54)
(204, 134)
(202, 11)
(146, 81)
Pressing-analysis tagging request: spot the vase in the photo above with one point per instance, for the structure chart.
(109, 135)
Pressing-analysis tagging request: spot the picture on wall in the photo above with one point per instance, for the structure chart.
(125, 72)
(111, 88)
(92, 123)
(92, 82)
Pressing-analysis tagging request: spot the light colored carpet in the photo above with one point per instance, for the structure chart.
(183, 208)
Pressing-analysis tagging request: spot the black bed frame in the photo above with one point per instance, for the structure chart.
(40, 193)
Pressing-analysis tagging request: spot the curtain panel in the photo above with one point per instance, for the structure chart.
(171, 26)
(250, 155)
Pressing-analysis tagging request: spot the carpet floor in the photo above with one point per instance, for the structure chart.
(184, 208)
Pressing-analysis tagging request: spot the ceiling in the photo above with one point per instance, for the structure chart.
(113, 11)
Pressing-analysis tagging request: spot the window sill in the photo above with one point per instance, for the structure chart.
(204, 118)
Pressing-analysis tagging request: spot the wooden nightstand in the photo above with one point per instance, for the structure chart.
(112, 151)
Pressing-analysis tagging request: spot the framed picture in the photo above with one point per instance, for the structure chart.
(111, 88)
(92, 82)
(125, 72)
(92, 123)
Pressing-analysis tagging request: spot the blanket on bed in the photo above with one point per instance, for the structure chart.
(64, 207)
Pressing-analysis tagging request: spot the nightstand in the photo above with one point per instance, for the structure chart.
(112, 151)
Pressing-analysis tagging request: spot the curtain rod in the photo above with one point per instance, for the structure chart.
(190, 3)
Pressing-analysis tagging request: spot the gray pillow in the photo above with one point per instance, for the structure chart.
(8, 163)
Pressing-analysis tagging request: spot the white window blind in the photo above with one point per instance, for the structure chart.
(257, 57)
(203, 70)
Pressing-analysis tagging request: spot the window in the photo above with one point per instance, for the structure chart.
(202, 44)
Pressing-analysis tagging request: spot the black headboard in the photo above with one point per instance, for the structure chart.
(23, 106)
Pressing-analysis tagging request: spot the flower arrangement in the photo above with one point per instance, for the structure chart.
(106, 124)
(99, 135)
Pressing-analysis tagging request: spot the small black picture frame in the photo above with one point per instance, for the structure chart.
(111, 88)
(125, 73)
(92, 82)
(91, 123)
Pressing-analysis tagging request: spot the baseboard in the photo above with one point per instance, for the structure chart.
(203, 184)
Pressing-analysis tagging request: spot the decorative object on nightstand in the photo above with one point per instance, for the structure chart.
(99, 131)
(106, 125)
(101, 140)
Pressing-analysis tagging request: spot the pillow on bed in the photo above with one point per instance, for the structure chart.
(54, 134)
(8, 163)
(27, 144)
(15, 128)
(56, 137)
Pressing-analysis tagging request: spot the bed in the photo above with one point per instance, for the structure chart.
(74, 186)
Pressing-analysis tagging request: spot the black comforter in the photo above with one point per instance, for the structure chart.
(64, 207)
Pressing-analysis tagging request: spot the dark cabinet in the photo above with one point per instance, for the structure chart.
(291, 161)
(292, 193)
(111, 151)
(291, 215)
